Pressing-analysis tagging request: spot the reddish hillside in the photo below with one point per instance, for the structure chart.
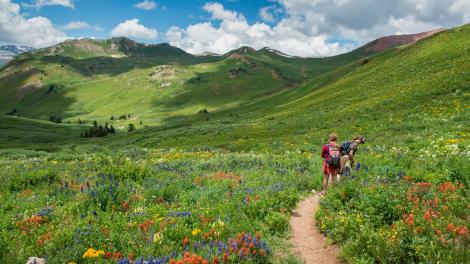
(396, 40)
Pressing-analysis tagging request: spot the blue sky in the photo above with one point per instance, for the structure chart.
(303, 28)
(106, 14)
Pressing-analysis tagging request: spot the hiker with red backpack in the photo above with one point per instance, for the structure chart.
(331, 161)
(348, 150)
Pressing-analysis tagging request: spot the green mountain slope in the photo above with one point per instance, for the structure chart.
(273, 95)
(91, 79)
(419, 91)
(22, 131)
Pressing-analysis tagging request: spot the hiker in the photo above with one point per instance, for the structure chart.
(331, 161)
(348, 150)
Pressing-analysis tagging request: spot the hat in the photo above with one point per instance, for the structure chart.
(362, 139)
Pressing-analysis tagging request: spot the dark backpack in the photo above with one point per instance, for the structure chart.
(345, 147)
(333, 156)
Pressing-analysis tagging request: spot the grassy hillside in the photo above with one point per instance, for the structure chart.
(399, 95)
(220, 185)
(91, 79)
(22, 131)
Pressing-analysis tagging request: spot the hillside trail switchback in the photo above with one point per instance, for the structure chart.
(308, 242)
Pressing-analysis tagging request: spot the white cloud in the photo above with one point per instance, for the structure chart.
(307, 27)
(17, 29)
(461, 7)
(369, 19)
(269, 13)
(76, 25)
(218, 11)
(42, 3)
(132, 28)
(146, 5)
(234, 31)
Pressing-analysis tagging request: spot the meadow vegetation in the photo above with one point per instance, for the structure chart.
(218, 186)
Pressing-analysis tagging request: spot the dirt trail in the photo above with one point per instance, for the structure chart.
(308, 242)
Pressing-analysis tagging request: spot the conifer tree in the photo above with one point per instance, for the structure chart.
(131, 128)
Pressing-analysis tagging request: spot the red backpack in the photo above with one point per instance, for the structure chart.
(332, 156)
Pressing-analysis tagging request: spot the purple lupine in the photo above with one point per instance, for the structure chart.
(358, 166)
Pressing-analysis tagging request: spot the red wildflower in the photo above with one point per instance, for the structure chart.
(125, 206)
(408, 178)
(107, 255)
(419, 229)
(429, 215)
(451, 228)
(145, 226)
(447, 186)
(424, 186)
(409, 220)
(215, 260)
(40, 241)
(185, 241)
(117, 255)
(462, 231)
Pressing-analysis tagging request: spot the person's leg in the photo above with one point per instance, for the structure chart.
(342, 163)
(337, 176)
(330, 180)
(326, 176)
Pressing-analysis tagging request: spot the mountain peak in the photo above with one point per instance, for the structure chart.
(384, 43)
(240, 51)
(275, 52)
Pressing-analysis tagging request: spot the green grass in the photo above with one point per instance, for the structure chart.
(411, 102)
(22, 131)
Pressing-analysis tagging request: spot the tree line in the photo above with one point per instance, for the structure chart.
(98, 130)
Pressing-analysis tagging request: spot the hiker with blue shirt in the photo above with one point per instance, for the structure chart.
(348, 150)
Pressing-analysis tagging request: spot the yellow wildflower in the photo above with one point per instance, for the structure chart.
(157, 238)
(92, 253)
(196, 231)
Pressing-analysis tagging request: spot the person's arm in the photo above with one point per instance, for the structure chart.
(352, 151)
(323, 151)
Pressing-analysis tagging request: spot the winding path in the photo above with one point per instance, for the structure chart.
(308, 242)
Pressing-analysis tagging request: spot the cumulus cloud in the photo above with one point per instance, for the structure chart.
(233, 31)
(368, 19)
(146, 5)
(132, 28)
(306, 27)
(17, 29)
(42, 3)
(270, 13)
(76, 25)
